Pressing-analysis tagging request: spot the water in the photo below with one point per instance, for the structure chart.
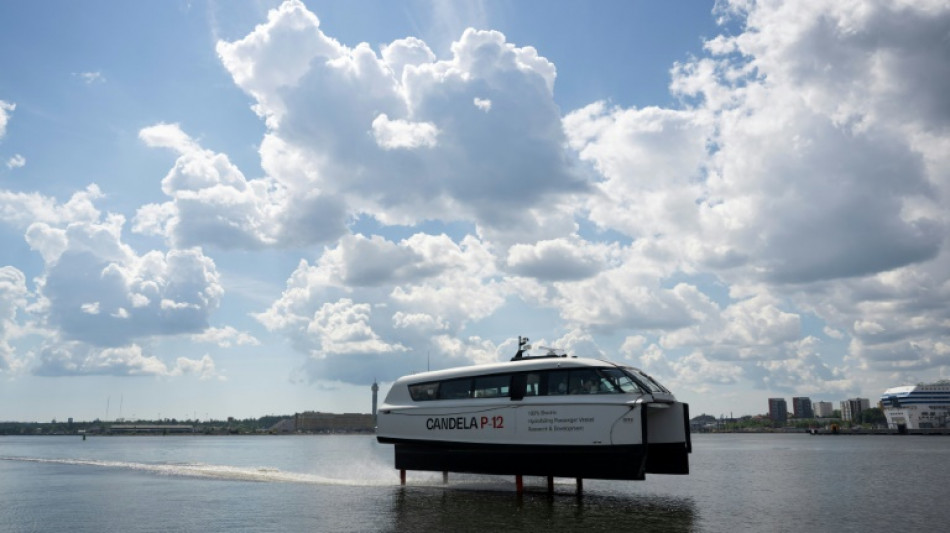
(347, 483)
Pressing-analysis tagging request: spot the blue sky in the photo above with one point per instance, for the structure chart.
(239, 209)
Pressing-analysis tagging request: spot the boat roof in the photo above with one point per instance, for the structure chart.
(518, 365)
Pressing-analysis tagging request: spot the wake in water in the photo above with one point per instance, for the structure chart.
(374, 477)
(224, 472)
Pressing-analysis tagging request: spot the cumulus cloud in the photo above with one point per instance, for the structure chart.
(579, 342)
(896, 320)
(277, 54)
(101, 292)
(170, 136)
(73, 358)
(652, 161)
(214, 204)
(343, 328)
(694, 371)
(403, 53)
(799, 170)
(801, 178)
(6, 108)
(816, 155)
(90, 78)
(17, 161)
(13, 300)
(807, 160)
(23, 210)
(360, 261)
(624, 297)
(559, 259)
(97, 298)
(225, 337)
(418, 321)
(370, 299)
(473, 349)
(395, 134)
(754, 328)
(203, 368)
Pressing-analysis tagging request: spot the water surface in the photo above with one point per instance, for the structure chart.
(753, 482)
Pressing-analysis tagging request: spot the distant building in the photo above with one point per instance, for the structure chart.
(703, 423)
(151, 428)
(852, 408)
(778, 410)
(802, 407)
(375, 389)
(823, 409)
(316, 422)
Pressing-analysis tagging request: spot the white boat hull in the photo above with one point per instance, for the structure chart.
(545, 416)
(591, 440)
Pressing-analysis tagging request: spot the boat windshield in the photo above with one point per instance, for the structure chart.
(620, 380)
(644, 380)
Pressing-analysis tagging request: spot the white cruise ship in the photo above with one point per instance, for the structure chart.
(922, 406)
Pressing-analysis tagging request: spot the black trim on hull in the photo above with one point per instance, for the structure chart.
(667, 458)
(591, 462)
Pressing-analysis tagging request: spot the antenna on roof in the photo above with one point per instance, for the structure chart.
(523, 346)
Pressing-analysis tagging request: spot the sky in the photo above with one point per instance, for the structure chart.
(213, 209)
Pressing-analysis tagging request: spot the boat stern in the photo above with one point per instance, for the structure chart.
(667, 438)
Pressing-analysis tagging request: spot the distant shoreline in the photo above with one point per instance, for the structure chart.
(301, 423)
(822, 431)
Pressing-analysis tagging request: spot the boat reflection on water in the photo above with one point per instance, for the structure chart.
(490, 508)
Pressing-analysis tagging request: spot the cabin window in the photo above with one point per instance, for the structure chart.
(557, 382)
(492, 386)
(585, 381)
(538, 383)
(422, 392)
(455, 389)
(525, 384)
(532, 384)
